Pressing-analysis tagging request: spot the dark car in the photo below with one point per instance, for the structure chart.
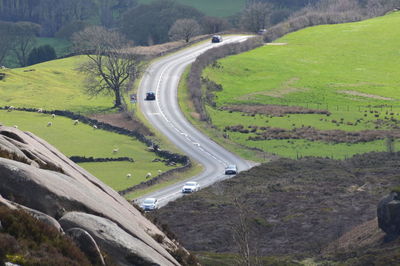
(216, 39)
(150, 96)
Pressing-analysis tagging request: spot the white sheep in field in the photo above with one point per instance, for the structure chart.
(115, 150)
(94, 127)
(76, 122)
(15, 126)
(128, 175)
(159, 171)
(40, 110)
(49, 124)
(148, 175)
(10, 108)
(53, 116)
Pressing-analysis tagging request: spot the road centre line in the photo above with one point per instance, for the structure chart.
(161, 78)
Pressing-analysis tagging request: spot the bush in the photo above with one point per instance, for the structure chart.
(41, 54)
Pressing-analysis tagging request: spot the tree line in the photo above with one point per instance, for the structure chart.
(19, 39)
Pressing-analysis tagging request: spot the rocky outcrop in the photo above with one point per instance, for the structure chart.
(87, 244)
(123, 247)
(389, 215)
(36, 175)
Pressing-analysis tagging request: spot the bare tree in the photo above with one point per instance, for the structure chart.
(214, 25)
(256, 16)
(184, 29)
(24, 40)
(242, 236)
(109, 67)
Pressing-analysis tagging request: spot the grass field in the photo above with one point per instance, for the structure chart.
(220, 8)
(351, 70)
(50, 85)
(83, 140)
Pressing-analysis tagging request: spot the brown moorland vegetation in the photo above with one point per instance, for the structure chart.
(25, 240)
(292, 208)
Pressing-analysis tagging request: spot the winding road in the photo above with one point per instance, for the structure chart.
(162, 77)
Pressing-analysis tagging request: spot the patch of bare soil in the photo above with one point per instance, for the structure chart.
(273, 110)
(123, 120)
(291, 208)
(367, 95)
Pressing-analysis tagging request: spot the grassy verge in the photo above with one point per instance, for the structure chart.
(188, 110)
(175, 178)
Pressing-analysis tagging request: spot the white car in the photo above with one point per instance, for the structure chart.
(190, 187)
(149, 204)
(231, 170)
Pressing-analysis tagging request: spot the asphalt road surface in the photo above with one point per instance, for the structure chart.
(162, 77)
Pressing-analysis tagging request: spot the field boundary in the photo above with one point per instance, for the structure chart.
(169, 156)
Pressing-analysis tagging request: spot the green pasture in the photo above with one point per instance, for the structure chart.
(220, 8)
(84, 140)
(352, 70)
(51, 85)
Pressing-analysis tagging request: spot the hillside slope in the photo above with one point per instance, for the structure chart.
(325, 80)
(291, 208)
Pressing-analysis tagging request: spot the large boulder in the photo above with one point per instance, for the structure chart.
(389, 215)
(123, 247)
(87, 244)
(36, 175)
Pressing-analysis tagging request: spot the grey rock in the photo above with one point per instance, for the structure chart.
(123, 247)
(87, 244)
(388, 213)
(42, 178)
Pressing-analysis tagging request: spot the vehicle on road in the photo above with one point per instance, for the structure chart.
(149, 204)
(231, 170)
(190, 187)
(150, 96)
(261, 31)
(216, 39)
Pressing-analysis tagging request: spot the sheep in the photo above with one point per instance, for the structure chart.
(159, 171)
(49, 124)
(76, 122)
(148, 175)
(15, 126)
(129, 175)
(115, 150)
(94, 127)
(40, 110)
(53, 116)
(10, 108)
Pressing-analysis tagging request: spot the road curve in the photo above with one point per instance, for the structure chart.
(162, 77)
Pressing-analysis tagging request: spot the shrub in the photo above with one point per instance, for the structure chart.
(41, 54)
